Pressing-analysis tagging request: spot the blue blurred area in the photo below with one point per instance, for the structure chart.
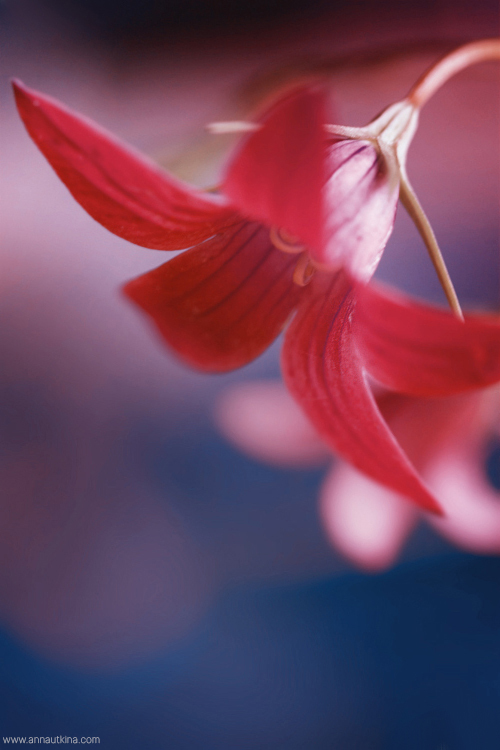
(410, 659)
(254, 521)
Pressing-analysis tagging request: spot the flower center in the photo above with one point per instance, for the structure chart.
(288, 243)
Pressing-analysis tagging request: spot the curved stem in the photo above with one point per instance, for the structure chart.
(469, 54)
(416, 212)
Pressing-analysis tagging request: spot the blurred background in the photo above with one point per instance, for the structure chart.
(157, 588)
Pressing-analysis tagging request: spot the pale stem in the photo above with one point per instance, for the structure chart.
(234, 126)
(416, 212)
(438, 74)
(422, 91)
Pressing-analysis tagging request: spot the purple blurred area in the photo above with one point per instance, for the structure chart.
(123, 513)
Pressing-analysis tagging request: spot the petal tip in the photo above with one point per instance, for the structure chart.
(21, 91)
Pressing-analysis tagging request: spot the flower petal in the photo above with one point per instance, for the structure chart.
(424, 351)
(361, 196)
(121, 189)
(221, 304)
(457, 472)
(472, 507)
(364, 520)
(324, 372)
(277, 175)
(263, 421)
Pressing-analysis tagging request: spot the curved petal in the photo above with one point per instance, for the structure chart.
(263, 421)
(422, 350)
(324, 372)
(278, 173)
(364, 520)
(221, 304)
(122, 190)
(361, 196)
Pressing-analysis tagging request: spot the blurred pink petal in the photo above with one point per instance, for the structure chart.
(425, 426)
(472, 506)
(263, 421)
(366, 522)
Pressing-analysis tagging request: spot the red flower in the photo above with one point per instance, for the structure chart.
(327, 204)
